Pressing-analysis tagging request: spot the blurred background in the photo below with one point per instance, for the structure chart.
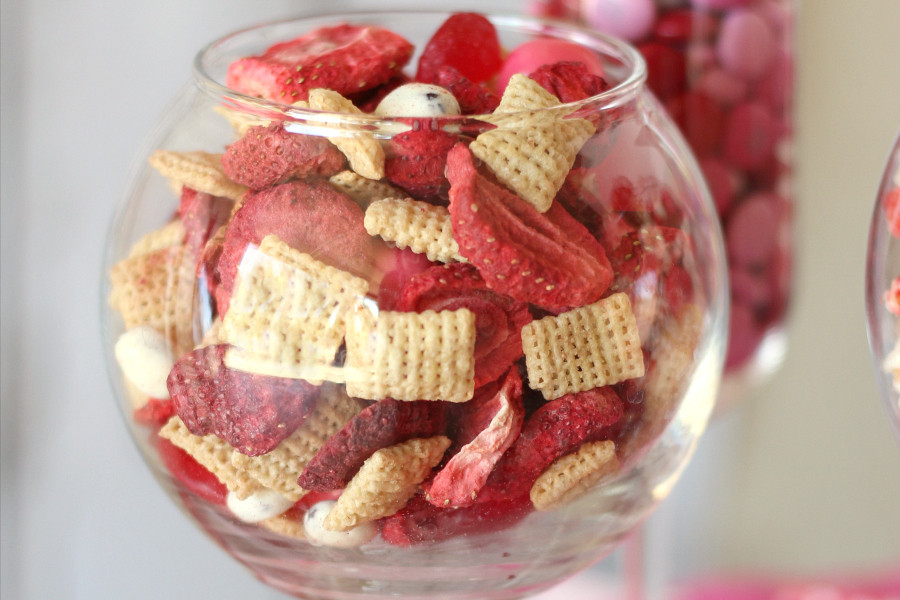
(800, 481)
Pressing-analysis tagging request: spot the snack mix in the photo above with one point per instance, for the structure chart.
(408, 339)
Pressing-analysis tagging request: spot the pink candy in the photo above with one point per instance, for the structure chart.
(532, 54)
(628, 19)
(751, 132)
(752, 231)
(746, 44)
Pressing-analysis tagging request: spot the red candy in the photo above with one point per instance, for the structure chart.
(466, 41)
(700, 119)
(750, 135)
(752, 231)
(666, 69)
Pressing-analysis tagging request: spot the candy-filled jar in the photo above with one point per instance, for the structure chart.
(883, 287)
(724, 70)
(385, 329)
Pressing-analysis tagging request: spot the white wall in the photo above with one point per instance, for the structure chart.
(803, 478)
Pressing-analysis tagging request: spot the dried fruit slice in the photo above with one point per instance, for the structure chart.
(473, 99)
(467, 41)
(382, 424)
(345, 58)
(418, 157)
(569, 81)
(253, 413)
(202, 214)
(194, 476)
(498, 318)
(548, 259)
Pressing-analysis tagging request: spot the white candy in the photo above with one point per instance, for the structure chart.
(418, 100)
(319, 536)
(258, 506)
(146, 359)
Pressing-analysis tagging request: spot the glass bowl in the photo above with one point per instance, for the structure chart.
(883, 286)
(485, 345)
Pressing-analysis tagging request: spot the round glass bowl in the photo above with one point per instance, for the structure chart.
(883, 287)
(456, 355)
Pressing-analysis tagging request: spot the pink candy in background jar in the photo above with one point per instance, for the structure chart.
(723, 69)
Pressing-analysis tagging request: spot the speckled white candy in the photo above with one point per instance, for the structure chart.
(258, 506)
(319, 536)
(418, 100)
(145, 358)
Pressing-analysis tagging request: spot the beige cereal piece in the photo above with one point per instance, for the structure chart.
(411, 356)
(572, 475)
(363, 151)
(531, 154)
(157, 289)
(587, 347)
(280, 468)
(385, 482)
(167, 236)
(422, 227)
(364, 191)
(241, 121)
(284, 526)
(201, 171)
(280, 289)
(674, 345)
(212, 453)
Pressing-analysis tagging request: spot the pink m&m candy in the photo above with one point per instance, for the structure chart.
(628, 19)
(530, 55)
(751, 132)
(751, 233)
(718, 4)
(746, 44)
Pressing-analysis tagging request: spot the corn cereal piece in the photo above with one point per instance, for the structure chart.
(167, 236)
(284, 526)
(674, 345)
(533, 153)
(386, 482)
(280, 468)
(214, 454)
(573, 474)
(201, 171)
(411, 356)
(364, 191)
(157, 289)
(364, 152)
(587, 347)
(422, 227)
(282, 290)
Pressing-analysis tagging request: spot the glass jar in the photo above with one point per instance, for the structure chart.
(480, 394)
(883, 287)
(724, 71)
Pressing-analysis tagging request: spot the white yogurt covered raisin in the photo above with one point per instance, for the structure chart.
(258, 506)
(418, 100)
(145, 358)
(319, 536)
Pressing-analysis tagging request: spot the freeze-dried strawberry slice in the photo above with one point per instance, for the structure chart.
(488, 425)
(194, 476)
(379, 425)
(569, 81)
(417, 159)
(466, 41)
(252, 412)
(154, 413)
(345, 58)
(398, 266)
(201, 214)
(892, 211)
(268, 154)
(498, 318)
(548, 259)
(473, 98)
(555, 429)
(310, 216)
(647, 197)
(420, 522)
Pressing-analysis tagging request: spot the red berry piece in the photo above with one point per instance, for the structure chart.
(192, 475)
(202, 214)
(548, 259)
(487, 427)
(154, 413)
(310, 216)
(379, 425)
(498, 318)
(892, 211)
(368, 101)
(268, 155)
(473, 99)
(398, 266)
(466, 41)
(253, 413)
(417, 159)
(345, 58)
(569, 81)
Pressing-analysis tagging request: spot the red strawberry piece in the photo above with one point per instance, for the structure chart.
(379, 425)
(647, 197)
(473, 99)
(466, 41)
(569, 81)
(892, 297)
(677, 287)
(310, 216)
(556, 429)
(420, 522)
(202, 214)
(417, 159)
(548, 259)
(368, 101)
(268, 154)
(892, 211)
(345, 58)
(489, 425)
(252, 412)
(398, 266)
(648, 250)
(498, 318)
(192, 475)
(154, 413)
